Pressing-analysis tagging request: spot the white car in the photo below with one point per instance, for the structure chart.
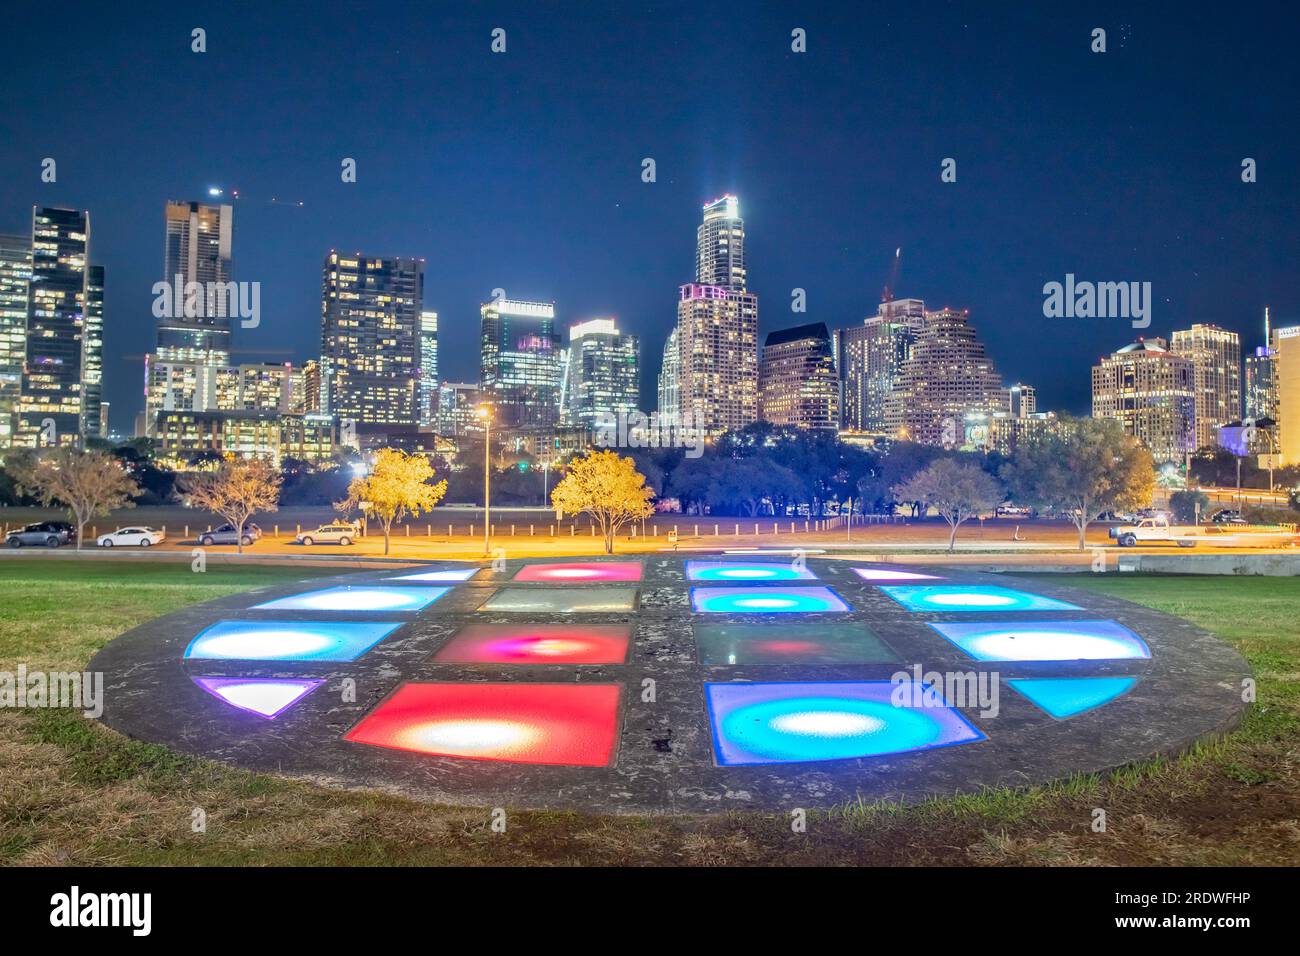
(144, 537)
(343, 534)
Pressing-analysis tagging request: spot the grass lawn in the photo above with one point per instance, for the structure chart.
(74, 793)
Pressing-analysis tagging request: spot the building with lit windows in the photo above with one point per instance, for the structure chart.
(668, 391)
(92, 355)
(1151, 391)
(1021, 400)
(1215, 355)
(1288, 394)
(602, 375)
(15, 278)
(197, 274)
(370, 337)
(456, 410)
(519, 362)
(871, 358)
(182, 436)
(427, 386)
(797, 382)
(720, 246)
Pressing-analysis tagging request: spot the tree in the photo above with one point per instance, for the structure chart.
(1089, 465)
(1188, 505)
(957, 491)
(237, 490)
(88, 483)
(398, 485)
(607, 487)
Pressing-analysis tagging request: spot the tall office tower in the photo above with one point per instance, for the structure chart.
(104, 420)
(1215, 353)
(15, 278)
(370, 321)
(668, 390)
(427, 391)
(1022, 401)
(717, 358)
(871, 357)
(946, 376)
(519, 364)
(311, 400)
(1260, 376)
(720, 246)
(50, 407)
(603, 374)
(1152, 392)
(195, 326)
(265, 387)
(92, 373)
(1287, 373)
(796, 374)
(457, 409)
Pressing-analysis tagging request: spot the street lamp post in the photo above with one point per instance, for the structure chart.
(485, 412)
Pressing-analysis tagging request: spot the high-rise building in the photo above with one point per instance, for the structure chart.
(1288, 394)
(457, 409)
(669, 391)
(1022, 401)
(197, 274)
(15, 279)
(519, 365)
(1151, 391)
(946, 376)
(603, 373)
(51, 404)
(370, 328)
(311, 400)
(720, 246)
(92, 371)
(427, 391)
(1260, 377)
(796, 374)
(1215, 354)
(871, 358)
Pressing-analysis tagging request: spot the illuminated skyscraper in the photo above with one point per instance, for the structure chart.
(1022, 401)
(428, 385)
(1151, 391)
(15, 277)
(197, 250)
(51, 404)
(797, 380)
(720, 245)
(92, 371)
(603, 375)
(370, 329)
(669, 392)
(1215, 354)
(519, 364)
(871, 358)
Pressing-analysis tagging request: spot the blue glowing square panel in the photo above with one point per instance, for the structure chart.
(792, 643)
(971, 597)
(765, 600)
(797, 722)
(1065, 697)
(444, 576)
(1044, 640)
(359, 598)
(747, 572)
(288, 640)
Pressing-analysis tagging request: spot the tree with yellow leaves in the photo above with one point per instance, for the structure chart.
(398, 485)
(607, 487)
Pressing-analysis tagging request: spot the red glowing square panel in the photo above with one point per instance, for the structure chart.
(537, 644)
(566, 724)
(581, 573)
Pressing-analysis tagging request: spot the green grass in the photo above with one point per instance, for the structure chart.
(76, 793)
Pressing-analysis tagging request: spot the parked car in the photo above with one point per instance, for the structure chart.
(142, 536)
(339, 533)
(1012, 511)
(226, 535)
(49, 534)
(1228, 516)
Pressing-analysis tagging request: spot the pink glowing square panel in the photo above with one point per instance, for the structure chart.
(537, 644)
(595, 571)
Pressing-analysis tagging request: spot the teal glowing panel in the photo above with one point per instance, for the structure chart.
(724, 644)
(765, 600)
(361, 598)
(288, 640)
(747, 573)
(765, 723)
(1068, 696)
(1045, 640)
(972, 597)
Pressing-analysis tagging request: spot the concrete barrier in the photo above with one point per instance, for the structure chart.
(1271, 565)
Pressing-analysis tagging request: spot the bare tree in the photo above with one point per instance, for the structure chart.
(239, 489)
(88, 483)
(958, 492)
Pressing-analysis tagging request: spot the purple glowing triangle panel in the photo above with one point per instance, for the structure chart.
(792, 722)
(267, 697)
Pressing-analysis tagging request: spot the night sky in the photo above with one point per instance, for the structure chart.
(522, 170)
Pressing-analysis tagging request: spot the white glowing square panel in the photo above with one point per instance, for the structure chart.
(359, 598)
(1045, 640)
(445, 576)
(567, 600)
(752, 572)
(972, 597)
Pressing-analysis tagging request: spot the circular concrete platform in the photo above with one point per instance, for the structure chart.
(623, 685)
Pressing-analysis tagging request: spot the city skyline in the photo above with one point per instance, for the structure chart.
(528, 212)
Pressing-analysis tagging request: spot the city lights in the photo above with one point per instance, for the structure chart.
(1045, 640)
(288, 640)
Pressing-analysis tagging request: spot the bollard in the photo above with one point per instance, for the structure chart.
(471, 531)
(755, 529)
(408, 530)
(275, 530)
(449, 531)
(297, 529)
(530, 531)
(429, 531)
(737, 530)
(187, 531)
(512, 531)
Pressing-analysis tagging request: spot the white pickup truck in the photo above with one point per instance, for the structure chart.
(1158, 529)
